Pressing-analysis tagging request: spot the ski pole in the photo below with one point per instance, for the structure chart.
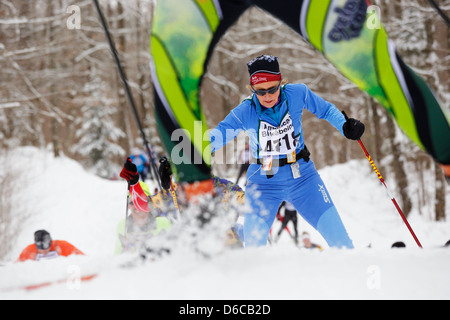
(440, 12)
(123, 78)
(389, 193)
(126, 211)
(175, 201)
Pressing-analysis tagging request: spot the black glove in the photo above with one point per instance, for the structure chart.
(165, 171)
(129, 172)
(353, 129)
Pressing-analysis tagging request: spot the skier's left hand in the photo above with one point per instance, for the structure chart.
(353, 129)
(129, 172)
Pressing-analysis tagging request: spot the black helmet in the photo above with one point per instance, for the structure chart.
(398, 244)
(42, 240)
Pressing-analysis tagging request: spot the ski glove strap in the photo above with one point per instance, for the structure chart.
(129, 172)
(353, 129)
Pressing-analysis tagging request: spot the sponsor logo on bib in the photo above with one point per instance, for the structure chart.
(279, 140)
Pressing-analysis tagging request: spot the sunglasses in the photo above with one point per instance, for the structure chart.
(269, 91)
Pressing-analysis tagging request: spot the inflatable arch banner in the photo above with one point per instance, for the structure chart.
(346, 32)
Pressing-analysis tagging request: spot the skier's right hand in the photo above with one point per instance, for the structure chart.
(353, 129)
(129, 172)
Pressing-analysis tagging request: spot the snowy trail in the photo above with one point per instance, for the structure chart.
(279, 272)
(85, 211)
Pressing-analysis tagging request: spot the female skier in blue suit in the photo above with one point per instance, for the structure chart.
(281, 169)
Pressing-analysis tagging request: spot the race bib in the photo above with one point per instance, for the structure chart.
(275, 141)
(47, 256)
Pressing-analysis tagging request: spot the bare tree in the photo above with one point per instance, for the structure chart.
(52, 75)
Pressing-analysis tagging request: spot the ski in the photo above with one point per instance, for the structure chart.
(30, 287)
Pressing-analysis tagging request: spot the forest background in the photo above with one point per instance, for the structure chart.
(60, 89)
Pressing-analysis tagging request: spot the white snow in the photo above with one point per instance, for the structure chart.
(83, 209)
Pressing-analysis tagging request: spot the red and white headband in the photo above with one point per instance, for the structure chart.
(261, 77)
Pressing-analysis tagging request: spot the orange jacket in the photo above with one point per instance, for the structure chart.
(57, 248)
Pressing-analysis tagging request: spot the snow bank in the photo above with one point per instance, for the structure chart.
(83, 209)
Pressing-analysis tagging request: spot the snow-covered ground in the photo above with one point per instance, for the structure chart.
(73, 205)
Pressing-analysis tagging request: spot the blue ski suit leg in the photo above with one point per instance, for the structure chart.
(307, 193)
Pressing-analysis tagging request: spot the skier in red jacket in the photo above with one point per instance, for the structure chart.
(46, 248)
